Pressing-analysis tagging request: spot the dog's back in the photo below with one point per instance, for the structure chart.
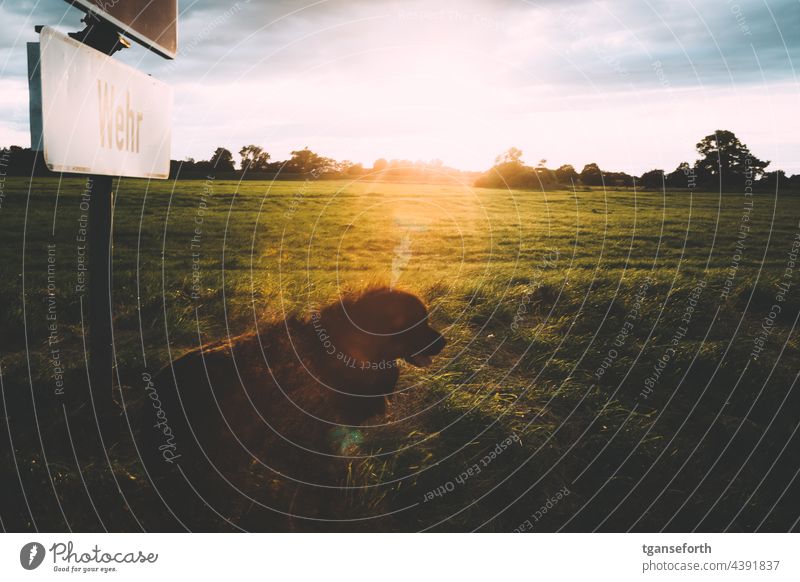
(244, 422)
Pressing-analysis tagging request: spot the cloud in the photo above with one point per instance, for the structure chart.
(401, 77)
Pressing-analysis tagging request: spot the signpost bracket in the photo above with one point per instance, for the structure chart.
(100, 35)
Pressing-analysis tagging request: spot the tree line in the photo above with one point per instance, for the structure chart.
(257, 162)
(725, 163)
(254, 161)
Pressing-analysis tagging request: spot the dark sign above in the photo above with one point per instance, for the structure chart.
(153, 23)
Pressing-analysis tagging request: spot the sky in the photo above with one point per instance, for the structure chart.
(629, 85)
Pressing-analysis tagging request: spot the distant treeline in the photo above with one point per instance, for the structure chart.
(724, 163)
(304, 164)
(256, 164)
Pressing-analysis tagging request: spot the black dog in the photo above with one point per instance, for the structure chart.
(279, 402)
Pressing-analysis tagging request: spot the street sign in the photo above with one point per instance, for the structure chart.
(100, 116)
(154, 23)
(93, 115)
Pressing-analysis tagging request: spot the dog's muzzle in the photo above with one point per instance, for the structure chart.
(424, 357)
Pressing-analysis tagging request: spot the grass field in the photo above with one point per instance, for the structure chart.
(594, 329)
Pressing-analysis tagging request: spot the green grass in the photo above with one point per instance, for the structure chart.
(531, 290)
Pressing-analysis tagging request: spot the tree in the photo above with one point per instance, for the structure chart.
(380, 165)
(254, 158)
(222, 160)
(544, 175)
(617, 179)
(591, 175)
(305, 161)
(652, 180)
(19, 161)
(566, 174)
(353, 170)
(775, 180)
(510, 172)
(683, 176)
(510, 156)
(726, 161)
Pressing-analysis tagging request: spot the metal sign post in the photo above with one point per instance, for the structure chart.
(101, 356)
(100, 235)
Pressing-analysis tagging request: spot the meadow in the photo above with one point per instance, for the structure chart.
(617, 360)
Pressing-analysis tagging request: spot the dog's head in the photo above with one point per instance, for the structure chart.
(382, 324)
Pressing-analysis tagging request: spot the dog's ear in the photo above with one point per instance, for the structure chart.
(343, 320)
(371, 310)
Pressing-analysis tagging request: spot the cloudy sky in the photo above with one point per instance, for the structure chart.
(631, 85)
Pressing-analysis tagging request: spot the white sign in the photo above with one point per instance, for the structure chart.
(100, 116)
